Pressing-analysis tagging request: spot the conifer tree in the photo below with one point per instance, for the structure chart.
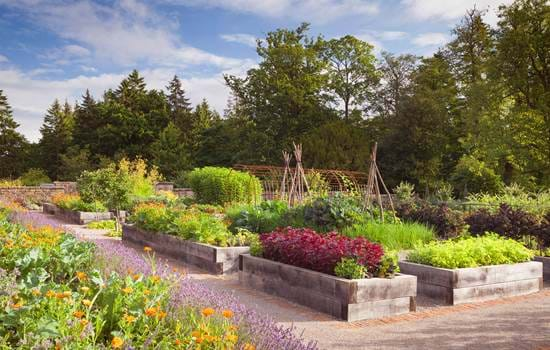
(12, 143)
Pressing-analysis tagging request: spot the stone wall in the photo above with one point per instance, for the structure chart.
(30, 194)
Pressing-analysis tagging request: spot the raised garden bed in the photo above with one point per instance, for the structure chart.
(467, 285)
(77, 217)
(217, 260)
(545, 266)
(346, 299)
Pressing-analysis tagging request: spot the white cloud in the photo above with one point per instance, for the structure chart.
(391, 35)
(127, 33)
(3, 59)
(430, 39)
(452, 10)
(245, 39)
(317, 10)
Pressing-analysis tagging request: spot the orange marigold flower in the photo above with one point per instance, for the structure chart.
(227, 313)
(83, 322)
(127, 290)
(146, 292)
(161, 315)
(147, 249)
(36, 292)
(117, 343)
(17, 306)
(86, 302)
(208, 311)
(152, 311)
(232, 338)
(136, 276)
(129, 318)
(196, 334)
(50, 294)
(177, 342)
(78, 314)
(82, 276)
(249, 346)
(155, 278)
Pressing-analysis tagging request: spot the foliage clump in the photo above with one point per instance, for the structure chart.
(490, 249)
(445, 221)
(214, 185)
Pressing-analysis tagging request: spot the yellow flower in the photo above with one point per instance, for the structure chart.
(85, 289)
(196, 334)
(152, 311)
(127, 290)
(208, 311)
(67, 293)
(36, 292)
(17, 306)
(146, 292)
(129, 318)
(147, 249)
(232, 338)
(136, 276)
(78, 314)
(161, 315)
(81, 276)
(86, 302)
(227, 313)
(155, 278)
(249, 346)
(50, 294)
(117, 342)
(83, 322)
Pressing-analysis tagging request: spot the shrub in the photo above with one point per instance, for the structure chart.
(200, 227)
(154, 217)
(141, 179)
(311, 250)
(349, 268)
(223, 185)
(108, 186)
(393, 236)
(333, 213)
(262, 218)
(445, 221)
(34, 177)
(490, 249)
(513, 223)
(473, 175)
(404, 191)
(537, 203)
(74, 202)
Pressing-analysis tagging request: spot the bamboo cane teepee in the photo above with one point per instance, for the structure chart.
(286, 175)
(296, 194)
(373, 185)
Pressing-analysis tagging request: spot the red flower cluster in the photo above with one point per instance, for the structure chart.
(306, 248)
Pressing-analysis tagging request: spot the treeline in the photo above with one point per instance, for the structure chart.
(474, 116)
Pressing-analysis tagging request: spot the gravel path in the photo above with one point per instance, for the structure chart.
(515, 323)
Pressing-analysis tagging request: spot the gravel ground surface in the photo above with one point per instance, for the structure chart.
(516, 323)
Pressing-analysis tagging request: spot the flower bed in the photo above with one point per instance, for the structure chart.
(474, 269)
(217, 315)
(300, 264)
(217, 260)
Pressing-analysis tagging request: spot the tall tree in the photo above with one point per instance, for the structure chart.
(12, 143)
(523, 59)
(180, 107)
(284, 95)
(170, 155)
(352, 74)
(56, 137)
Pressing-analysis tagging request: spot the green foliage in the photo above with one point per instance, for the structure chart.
(537, 203)
(262, 218)
(490, 249)
(170, 155)
(318, 186)
(388, 266)
(141, 178)
(107, 186)
(109, 225)
(349, 268)
(333, 213)
(404, 191)
(473, 175)
(12, 143)
(34, 177)
(222, 185)
(201, 227)
(75, 203)
(393, 236)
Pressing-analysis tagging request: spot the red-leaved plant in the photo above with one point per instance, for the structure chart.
(306, 248)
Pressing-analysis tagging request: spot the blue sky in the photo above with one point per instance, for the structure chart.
(58, 48)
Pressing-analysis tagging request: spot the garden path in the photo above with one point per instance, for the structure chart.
(515, 323)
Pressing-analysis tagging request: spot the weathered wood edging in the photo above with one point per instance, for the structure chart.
(351, 300)
(217, 260)
(76, 217)
(468, 285)
(545, 260)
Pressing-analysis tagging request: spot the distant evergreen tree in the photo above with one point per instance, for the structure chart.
(56, 136)
(181, 113)
(12, 143)
(170, 155)
(130, 88)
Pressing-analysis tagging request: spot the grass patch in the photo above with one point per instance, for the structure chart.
(393, 236)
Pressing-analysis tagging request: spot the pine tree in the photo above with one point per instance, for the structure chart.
(181, 113)
(130, 89)
(169, 154)
(56, 136)
(87, 122)
(12, 143)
